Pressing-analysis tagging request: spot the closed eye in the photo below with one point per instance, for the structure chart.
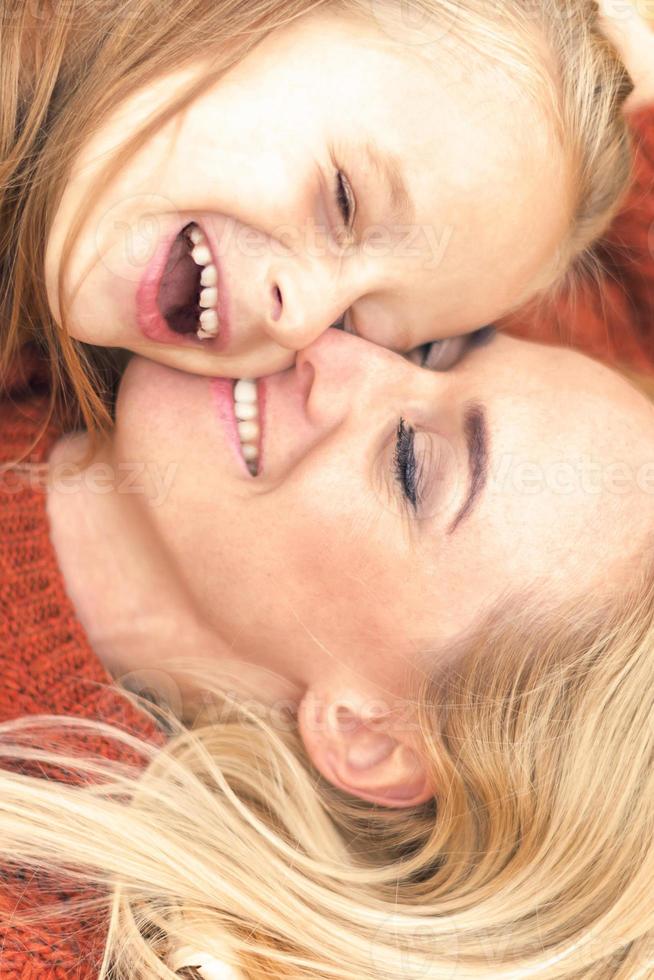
(341, 324)
(405, 464)
(438, 355)
(442, 355)
(345, 199)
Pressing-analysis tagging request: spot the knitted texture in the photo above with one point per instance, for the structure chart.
(611, 316)
(47, 666)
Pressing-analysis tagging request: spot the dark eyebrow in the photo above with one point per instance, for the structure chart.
(388, 166)
(476, 433)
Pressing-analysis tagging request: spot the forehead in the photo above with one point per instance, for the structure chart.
(571, 481)
(341, 57)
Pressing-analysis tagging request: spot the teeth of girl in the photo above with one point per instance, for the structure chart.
(201, 255)
(209, 322)
(209, 326)
(209, 298)
(246, 409)
(209, 276)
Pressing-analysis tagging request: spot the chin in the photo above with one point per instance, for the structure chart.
(154, 396)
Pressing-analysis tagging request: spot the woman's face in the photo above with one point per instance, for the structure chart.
(393, 506)
(337, 169)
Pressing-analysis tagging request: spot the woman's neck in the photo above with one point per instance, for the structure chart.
(123, 584)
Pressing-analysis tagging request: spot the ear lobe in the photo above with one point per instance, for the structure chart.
(363, 756)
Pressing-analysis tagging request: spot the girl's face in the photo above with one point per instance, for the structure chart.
(337, 170)
(393, 506)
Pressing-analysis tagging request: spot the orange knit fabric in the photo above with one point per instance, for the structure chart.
(612, 319)
(47, 666)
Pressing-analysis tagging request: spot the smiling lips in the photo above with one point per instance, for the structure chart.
(240, 406)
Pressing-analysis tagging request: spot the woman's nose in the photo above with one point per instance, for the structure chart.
(302, 304)
(345, 373)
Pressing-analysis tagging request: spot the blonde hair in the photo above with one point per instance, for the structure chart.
(535, 858)
(55, 94)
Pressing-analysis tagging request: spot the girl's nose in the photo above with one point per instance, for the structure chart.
(302, 304)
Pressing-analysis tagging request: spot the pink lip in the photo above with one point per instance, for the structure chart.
(149, 318)
(222, 391)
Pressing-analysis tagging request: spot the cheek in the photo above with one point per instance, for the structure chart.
(53, 269)
(255, 137)
(342, 572)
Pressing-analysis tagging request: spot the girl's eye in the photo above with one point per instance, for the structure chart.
(442, 355)
(342, 324)
(345, 199)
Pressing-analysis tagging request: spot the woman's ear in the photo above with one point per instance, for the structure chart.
(371, 756)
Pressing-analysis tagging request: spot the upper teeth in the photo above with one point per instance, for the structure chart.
(209, 325)
(246, 409)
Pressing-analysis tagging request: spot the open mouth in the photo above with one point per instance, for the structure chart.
(188, 291)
